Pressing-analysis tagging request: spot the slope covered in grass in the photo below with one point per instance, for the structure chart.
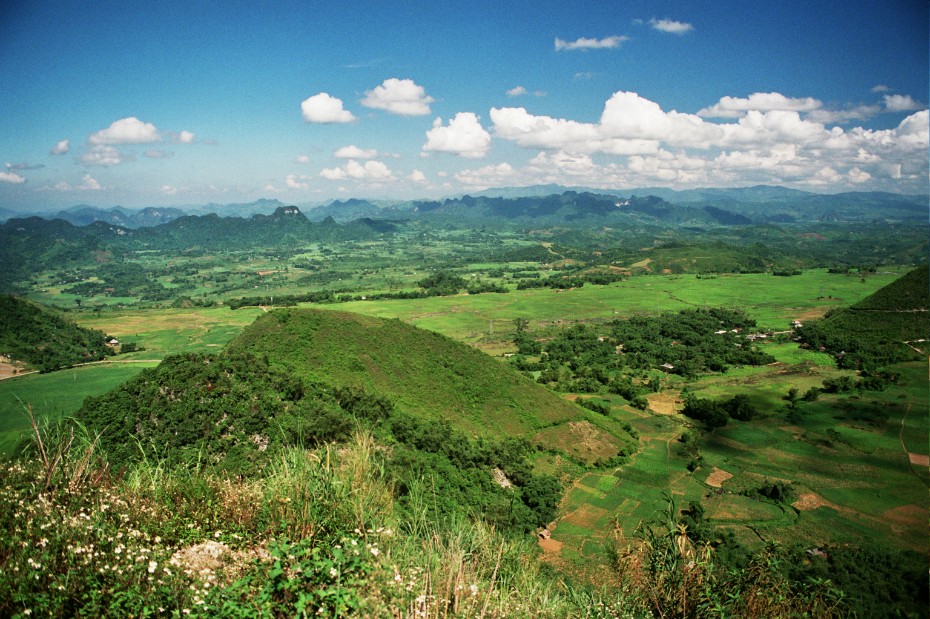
(44, 339)
(881, 329)
(423, 373)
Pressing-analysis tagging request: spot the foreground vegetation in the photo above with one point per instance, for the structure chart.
(320, 534)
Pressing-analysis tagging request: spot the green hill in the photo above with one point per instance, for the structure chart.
(881, 329)
(425, 374)
(44, 339)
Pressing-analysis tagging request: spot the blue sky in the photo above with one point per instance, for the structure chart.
(167, 103)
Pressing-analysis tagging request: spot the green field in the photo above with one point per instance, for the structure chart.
(55, 395)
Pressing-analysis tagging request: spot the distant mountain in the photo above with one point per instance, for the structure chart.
(82, 215)
(6, 214)
(571, 208)
(352, 209)
(242, 209)
(762, 203)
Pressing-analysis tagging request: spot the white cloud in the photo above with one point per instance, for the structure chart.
(88, 183)
(156, 153)
(62, 147)
(736, 107)
(858, 176)
(126, 131)
(516, 91)
(370, 171)
(168, 190)
(295, 182)
(184, 137)
(402, 97)
(463, 136)
(417, 177)
(354, 152)
(637, 143)
(585, 43)
(322, 108)
(12, 177)
(880, 88)
(902, 103)
(670, 26)
(828, 117)
(302, 159)
(103, 156)
(488, 176)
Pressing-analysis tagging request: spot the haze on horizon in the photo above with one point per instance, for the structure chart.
(173, 104)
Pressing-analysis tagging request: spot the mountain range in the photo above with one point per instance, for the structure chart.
(554, 204)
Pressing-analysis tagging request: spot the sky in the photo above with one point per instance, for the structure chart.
(181, 103)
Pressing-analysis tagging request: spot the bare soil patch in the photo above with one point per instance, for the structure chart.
(717, 477)
(663, 403)
(551, 546)
(911, 515)
(919, 459)
(809, 501)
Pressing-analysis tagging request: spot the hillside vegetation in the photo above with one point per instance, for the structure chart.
(44, 339)
(422, 372)
(887, 327)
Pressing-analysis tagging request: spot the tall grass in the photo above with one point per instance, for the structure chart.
(319, 534)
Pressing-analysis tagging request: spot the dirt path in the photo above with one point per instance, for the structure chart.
(920, 459)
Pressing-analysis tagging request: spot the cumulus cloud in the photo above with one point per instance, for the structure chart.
(859, 112)
(302, 159)
(463, 136)
(323, 108)
(183, 137)
(61, 148)
(103, 156)
(295, 182)
(585, 43)
(516, 91)
(902, 103)
(736, 107)
(12, 177)
(88, 183)
(670, 26)
(488, 176)
(880, 88)
(126, 131)
(370, 171)
(638, 143)
(354, 152)
(403, 97)
(417, 177)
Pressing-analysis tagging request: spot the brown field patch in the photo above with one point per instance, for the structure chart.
(663, 403)
(586, 516)
(717, 477)
(580, 439)
(809, 501)
(911, 515)
(642, 264)
(919, 459)
(551, 546)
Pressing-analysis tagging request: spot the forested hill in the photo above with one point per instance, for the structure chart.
(28, 238)
(44, 339)
(422, 372)
(889, 326)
